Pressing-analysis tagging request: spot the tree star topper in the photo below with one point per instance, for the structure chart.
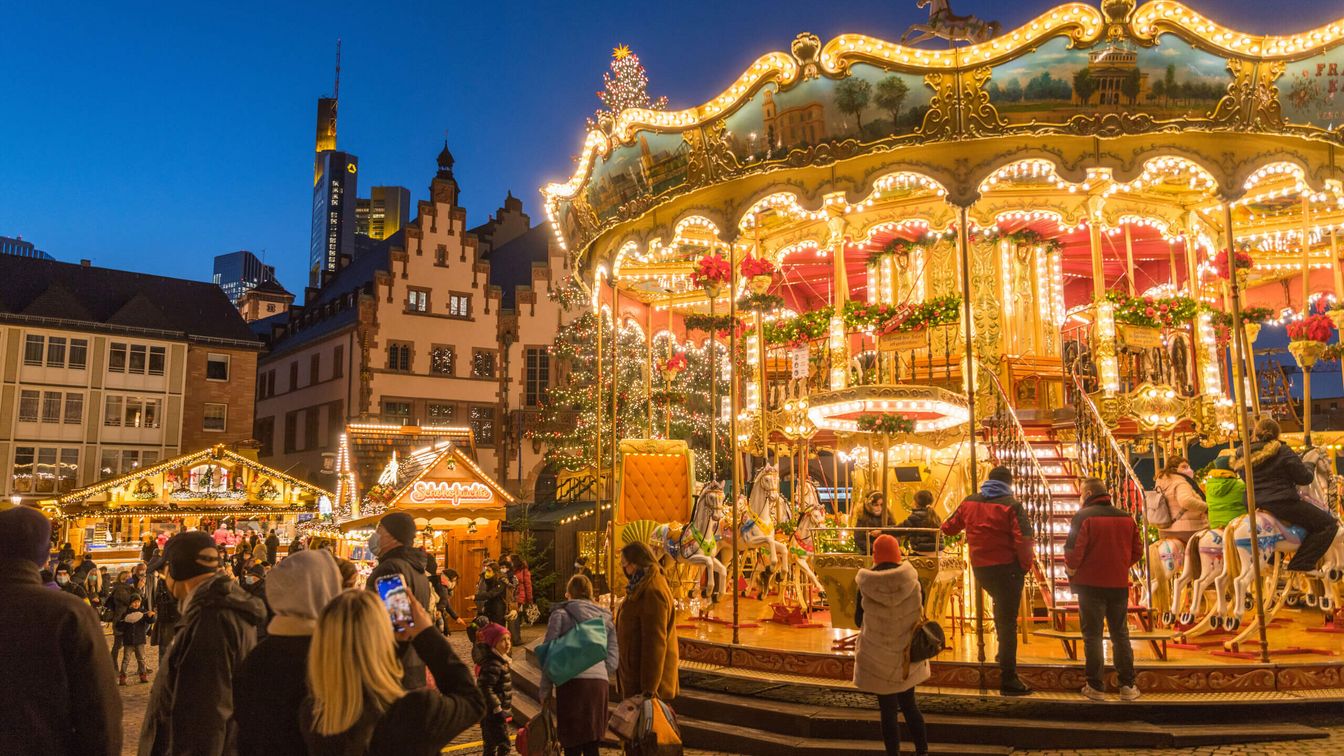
(620, 51)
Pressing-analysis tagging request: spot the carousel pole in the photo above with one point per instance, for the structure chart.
(1129, 258)
(713, 390)
(732, 436)
(597, 440)
(1239, 332)
(1338, 274)
(1306, 310)
(648, 376)
(615, 377)
(671, 349)
(963, 248)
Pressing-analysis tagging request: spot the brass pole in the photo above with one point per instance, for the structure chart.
(1129, 258)
(760, 382)
(1171, 263)
(611, 474)
(1098, 267)
(713, 393)
(597, 440)
(671, 349)
(963, 247)
(732, 429)
(648, 376)
(1251, 512)
(1250, 371)
(1306, 254)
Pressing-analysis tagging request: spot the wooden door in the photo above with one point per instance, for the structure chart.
(466, 552)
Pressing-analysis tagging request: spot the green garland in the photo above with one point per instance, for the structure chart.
(886, 423)
(1152, 312)
(1250, 315)
(1025, 237)
(707, 323)
(760, 302)
(897, 246)
(861, 316)
(806, 327)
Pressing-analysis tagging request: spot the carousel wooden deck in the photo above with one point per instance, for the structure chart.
(1306, 659)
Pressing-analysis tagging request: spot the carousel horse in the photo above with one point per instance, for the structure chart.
(695, 542)
(943, 23)
(1166, 557)
(811, 515)
(1205, 567)
(756, 525)
(1276, 539)
(1318, 490)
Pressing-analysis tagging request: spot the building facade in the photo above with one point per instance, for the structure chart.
(239, 272)
(408, 333)
(383, 213)
(104, 371)
(333, 232)
(18, 247)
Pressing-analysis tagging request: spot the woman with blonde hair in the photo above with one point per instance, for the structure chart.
(356, 702)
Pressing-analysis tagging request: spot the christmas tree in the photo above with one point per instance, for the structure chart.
(568, 421)
(682, 408)
(626, 86)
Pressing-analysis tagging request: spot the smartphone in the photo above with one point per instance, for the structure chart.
(392, 590)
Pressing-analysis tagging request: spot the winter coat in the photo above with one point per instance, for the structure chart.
(268, 689)
(997, 530)
(490, 599)
(410, 564)
(647, 639)
(1225, 494)
(496, 683)
(166, 615)
(1103, 544)
(419, 723)
(866, 519)
(191, 702)
(272, 548)
(925, 517)
(524, 577)
(134, 633)
(1278, 472)
(1186, 504)
(564, 616)
(891, 602)
(60, 693)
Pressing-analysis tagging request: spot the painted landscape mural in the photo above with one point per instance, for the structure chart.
(1310, 90)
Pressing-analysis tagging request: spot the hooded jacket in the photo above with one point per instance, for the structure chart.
(409, 562)
(1103, 543)
(647, 638)
(60, 693)
(1278, 471)
(191, 702)
(1225, 494)
(891, 602)
(922, 517)
(997, 530)
(1186, 504)
(869, 519)
(564, 616)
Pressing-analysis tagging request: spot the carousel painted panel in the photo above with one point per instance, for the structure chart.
(1311, 91)
(651, 165)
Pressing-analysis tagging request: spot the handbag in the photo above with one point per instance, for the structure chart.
(927, 639)
(539, 737)
(566, 657)
(647, 726)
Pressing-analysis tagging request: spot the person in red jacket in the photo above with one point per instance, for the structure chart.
(1103, 544)
(998, 535)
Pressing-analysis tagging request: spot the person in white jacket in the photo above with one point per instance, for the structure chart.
(887, 611)
(1189, 511)
(581, 703)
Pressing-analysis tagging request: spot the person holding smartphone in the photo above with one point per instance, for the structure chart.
(393, 543)
(356, 703)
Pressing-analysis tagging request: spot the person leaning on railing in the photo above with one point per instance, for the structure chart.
(875, 516)
(923, 516)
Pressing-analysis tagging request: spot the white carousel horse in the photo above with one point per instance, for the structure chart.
(756, 524)
(1165, 559)
(1318, 490)
(811, 515)
(695, 542)
(1205, 567)
(1277, 539)
(949, 26)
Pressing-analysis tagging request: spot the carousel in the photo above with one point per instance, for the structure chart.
(1053, 248)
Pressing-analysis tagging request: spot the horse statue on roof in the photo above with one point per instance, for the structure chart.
(944, 24)
(696, 542)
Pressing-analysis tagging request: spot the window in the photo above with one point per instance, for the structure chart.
(32, 350)
(121, 461)
(157, 357)
(482, 363)
(483, 425)
(442, 360)
(116, 358)
(441, 413)
(459, 305)
(28, 404)
(44, 469)
(310, 416)
(74, 409)
(51, 406)
(216, 367)
(399, 357)
(537, 376)
(56, 352)
(338, 361)
(216, 417)
(270, 383)
(417, 300)
(441, 255)
(137, 361)
(294, 376)
(397, 412)
(265, 432)
(314, 368)
(291, 431)
(112, 412)
(79, 354)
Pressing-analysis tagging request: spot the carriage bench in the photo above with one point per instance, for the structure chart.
(1071, 638)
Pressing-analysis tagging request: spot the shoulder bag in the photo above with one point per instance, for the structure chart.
(582, 646)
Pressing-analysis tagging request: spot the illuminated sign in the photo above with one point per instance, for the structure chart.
(455, 493)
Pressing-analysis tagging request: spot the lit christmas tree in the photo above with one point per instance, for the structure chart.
(626, 86)
(687, 399)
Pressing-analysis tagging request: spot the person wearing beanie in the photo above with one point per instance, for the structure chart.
(272, 681)
(493, 679)
(191, 702)
(60, 692)
(1103, 544)
(998, 536)
(254, 582)
(1225, 493)
(887, 608)
(393, 544)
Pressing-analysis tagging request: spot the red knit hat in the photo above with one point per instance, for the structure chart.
(491, 634)
(886, 549)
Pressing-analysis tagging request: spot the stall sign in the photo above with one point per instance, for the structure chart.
(455, 493)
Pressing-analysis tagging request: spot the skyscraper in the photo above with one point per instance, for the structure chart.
(333, 234)
(387, 209)
(239, 272)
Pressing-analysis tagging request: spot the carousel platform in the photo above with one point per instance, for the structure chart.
(1306, 660)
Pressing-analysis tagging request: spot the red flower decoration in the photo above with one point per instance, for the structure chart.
(711, 269)
(676, 362)
(756, 266)
(1225, 265)
(1311, 328)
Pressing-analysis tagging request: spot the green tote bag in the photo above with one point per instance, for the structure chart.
(566, 657)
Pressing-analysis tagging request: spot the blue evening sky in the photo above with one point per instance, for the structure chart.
(152, 136)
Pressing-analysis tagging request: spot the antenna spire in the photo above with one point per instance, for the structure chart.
(336, 92)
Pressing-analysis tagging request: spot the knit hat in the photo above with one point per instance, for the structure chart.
(25, 534)
(190, 554)
(1222, 463)
(400, 526)
(490, 634)
(1001, 474)
(298, 588)
(886, 549)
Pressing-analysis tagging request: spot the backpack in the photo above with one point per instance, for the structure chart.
(1157, 510)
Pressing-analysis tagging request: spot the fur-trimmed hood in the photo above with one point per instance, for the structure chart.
(1261, 452)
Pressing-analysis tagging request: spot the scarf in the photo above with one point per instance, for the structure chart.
(634, 580)
(994, 489)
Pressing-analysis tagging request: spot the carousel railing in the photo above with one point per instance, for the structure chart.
(1009, 446)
